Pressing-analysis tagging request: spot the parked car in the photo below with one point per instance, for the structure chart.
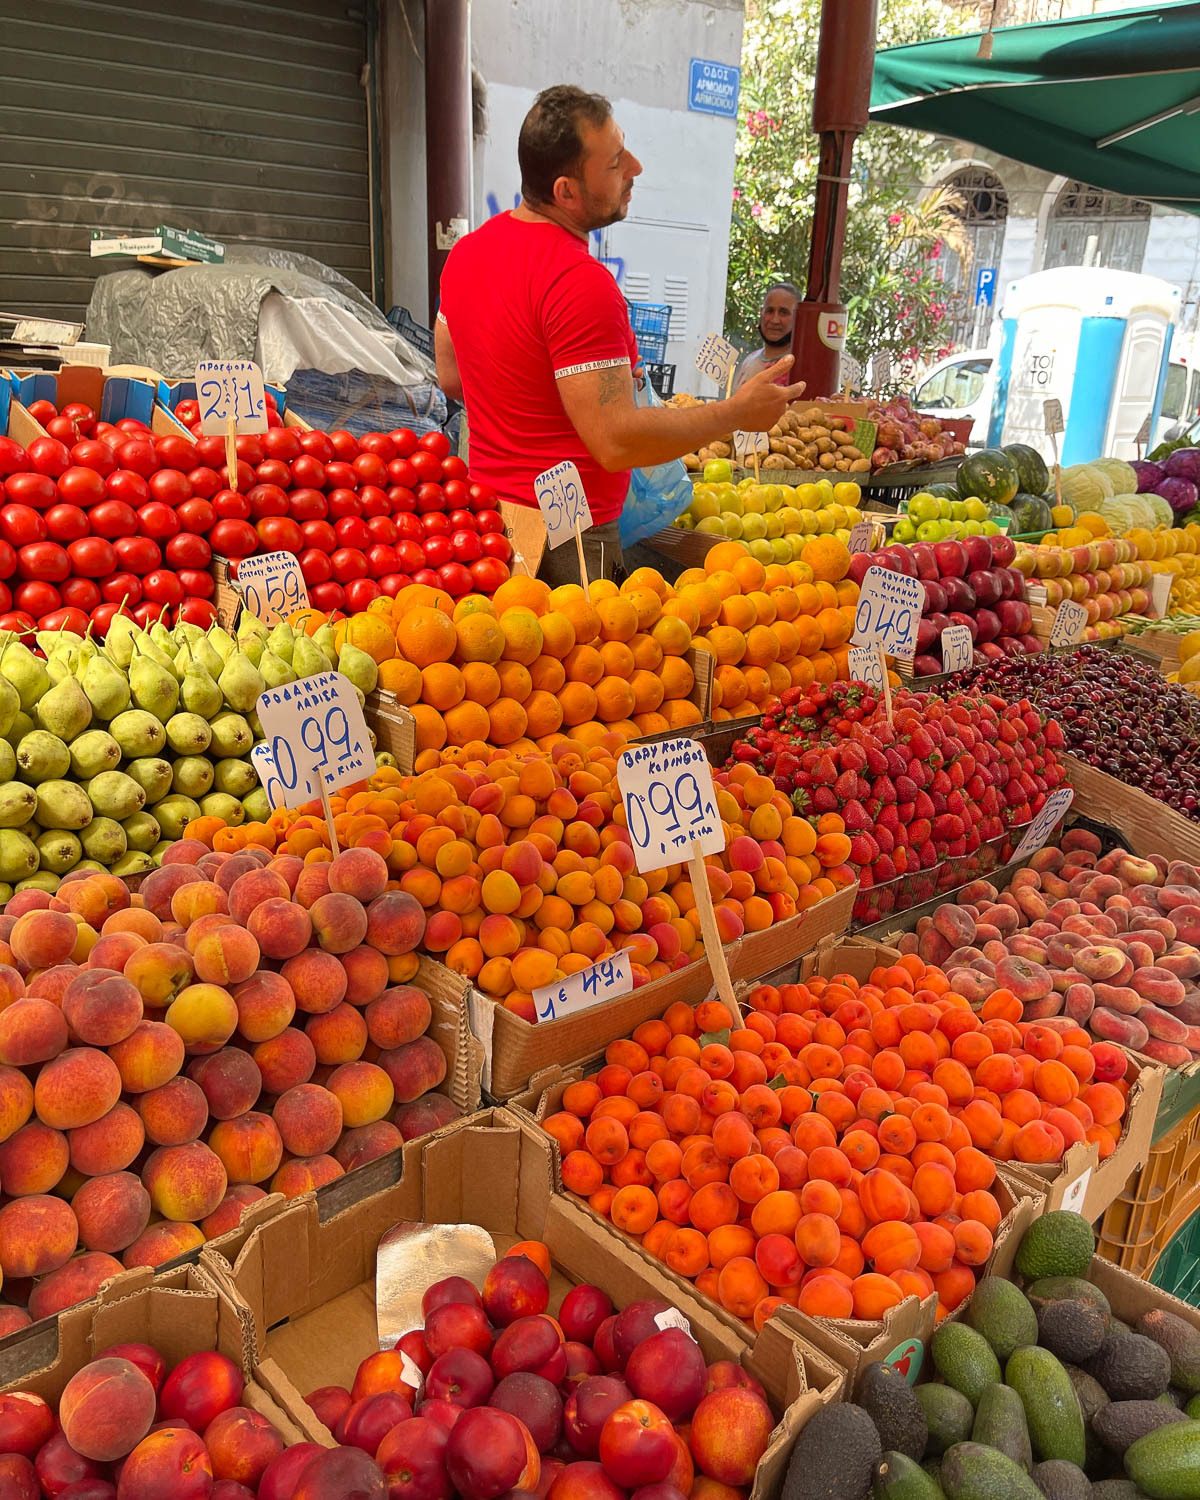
(960, 386)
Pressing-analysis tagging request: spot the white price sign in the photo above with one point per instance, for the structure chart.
(1053, 811)
(315, 731)
(889, 611)
(670, 803)
(272, 585)
(608, 979)
(673, 1318)
(1052, 414)
(1072, 1198)
(1070, 621)
(264, 764)
(866, 666)
(1160, 594)
(958, 649)
(230, 387)
(563, 504)
(865, 536)
(747, 444)
(716, 358)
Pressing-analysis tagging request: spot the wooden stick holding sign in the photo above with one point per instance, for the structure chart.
(232, 399)
(565, 509)
(671, 814)
(887, 616)
(1053, 413)
(750, 444)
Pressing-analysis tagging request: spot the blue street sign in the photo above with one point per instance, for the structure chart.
(713, 88)
(985, 285)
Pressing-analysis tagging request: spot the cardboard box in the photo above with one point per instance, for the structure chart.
(1147, 825)
(310, 1286)
(113, 393)
(177, 247)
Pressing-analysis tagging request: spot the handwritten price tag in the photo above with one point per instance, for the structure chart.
(230, 387)
(272, 585)
(563, 504)
(1160, 594)
(865, 536)
(606, 980)
(670, 803)
(264, 764)
(1054, 810)
(1070, 621)
(315, 730)
(958, 649)
(889, 611)
(716, 358)
(1052, 414)
(747, 444)
(866, 667)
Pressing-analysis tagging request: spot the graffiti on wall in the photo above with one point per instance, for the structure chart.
(615, 263)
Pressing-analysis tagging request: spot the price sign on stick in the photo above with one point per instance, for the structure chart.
(564, 508)
(717, 359)
(1160, 594)
(889, 611)
(1052, 414)
(1070, 621)
(749, 445)
(609, 979)
(230, 388)
(272, 585)
(958, 649)
(264, 764)
(1053, 811)
(865, 536)
(867, 666)
(671, 813)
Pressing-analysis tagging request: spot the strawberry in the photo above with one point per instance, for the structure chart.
(855, 816)
(846, 786)
(884, 789)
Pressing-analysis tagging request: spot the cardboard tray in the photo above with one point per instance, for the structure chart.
(1147, 825)
(309, 1288)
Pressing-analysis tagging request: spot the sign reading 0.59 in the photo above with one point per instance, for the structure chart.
(670, 803)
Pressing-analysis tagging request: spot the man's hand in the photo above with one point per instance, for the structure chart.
(758, 403)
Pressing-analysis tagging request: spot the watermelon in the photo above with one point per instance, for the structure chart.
(1032, 474)
(943, 491)
(1030, 513)
(990, 474)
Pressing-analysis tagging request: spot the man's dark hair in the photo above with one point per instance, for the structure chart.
(783, 286)
(550, 145)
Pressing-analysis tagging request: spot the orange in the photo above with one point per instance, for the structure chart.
(678, 679)
(722, 557)
(618, 619)
(578, 703)
(570, 600)
(479, 639)
(481, 682)
(426, 635)
(370, 633)
(442, 686)
(672, 633)
(614, 699)
(558, 634)
(522, 635)
(584, 664)
(523, 592)
(508, 721)
(401, 678)
(828, 558)
(467, 721)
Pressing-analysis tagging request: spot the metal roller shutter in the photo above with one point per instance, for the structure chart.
(245, 119)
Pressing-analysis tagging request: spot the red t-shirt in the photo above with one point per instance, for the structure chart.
(526, 303)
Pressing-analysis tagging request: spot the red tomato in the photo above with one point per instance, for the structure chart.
(380, 444)
(318, 444)
(163, 587)
(408, 527)
(307, 505)
(235, 539)
(38, 491)
(370, 469)
(466, 546)
(8, 560)
(325, 596)
(431, 497)
(348, 563)
(274, 471)
(47, 456)
(201, 612)
(197, 584)
(483, 496)
(63, 430)
(344, 444)
(80, 412)
(125, 485)
(382, 529)
(373, 501)
(315, 566)
(113, 519)
(392, 583)
(205, 482)
(280, 534)
(46, 562)
(196, 515)
(340, 476)
(146, 613)
(188, 411)
(13, 458)
(319, 534)
(489, 520)
(308, 471)
(92, 557)
(178, 452)
(43, 412)
(438, 551)
(245, 475)
(21, 525)
(382, 559)
(122, 586)
(454, 469)
(188, 551)
(231, 505)
(494, 544)
(249, 448)
(210, 451)
(488, 573)
(428, 578)
(158, 520)
(352, 532)
(80, 593)
(66, 523)
(410, 556)
(401, 499)
(405, 442)
(132, 425)
(462, 520)
(65, 619)
(139, 457)
(436, 443)
(360, 593)
(171, 486)
(458, 494)
(91, 454)
(401, 472)
(455, 579)
(82, 486)
(426, 466)
(434, 523)
(267, 500)
(282, 443)
(135, 554)
(343, 503)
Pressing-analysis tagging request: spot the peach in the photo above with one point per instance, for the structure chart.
(101, 1007)
(340, 1471)
(108, 1144)
(395, 923)
(204, 1015)
(76, 1088)
(32, 1030)
(339, 922)
(317, 980)
(199, 898)
(265, 1005)
(226, 956)
(37, 1234)
(228, 1213)
(514, 1288)
(305, 1174)
(309, 1119)
(174, 1113)
(170, 1462)
(41, 939)
(729, 1434)
(249, 1147)
(106, 1409)
(151, 1055)
(365, 1144)
(399, 1016)
(366, 973)
(1159, 986)
(162, 1243)
(251, 889)
(233, 867)
(200, 928)
(33, 1160)
(424, 1115)
(186, 852)
(241, 1444)
(364, 1091)
(415, 1068)
(16, 1100)
(361, 873)
(112, 1211)
(289, 867)
(159, 971)
(281, 928)
(285, 1060)
(338, 1035)
(160, 886)
(311, 884)
(185, 1182)
(78, 1281)
(230, 1080)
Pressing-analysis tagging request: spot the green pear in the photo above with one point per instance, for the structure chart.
(186, 634)
(241, 682)
(104, 839)
(141, 831)
(61, 664)
(251, 648)
(138, 733)
(161, 636)
(18, 855)
(275, 671)
(359, 668)
(118, 641)
(323, 638)
(192, 776)
(135, 862)
(106, 687)
(6, 892)
(63, 804)
(8, 761)
(65, 710)
(250, 625)
(308, 659)
(41, 880)
(92, 753)
(231, 735)
(256, 806)
(255, 724)
(10, 705)
(152, 687)
(282, 641)
(204, 655)
(188, 734)
(220, 805)
(51, 641)
(174, 813)
(199, 692)
(58, 850)
(153, 775)
(21, 726)
(18, 803)
(42, 756)
(26, 672)
(91, 864)
(115, 795)
(145, 645)
(222, 643)
(235, 776)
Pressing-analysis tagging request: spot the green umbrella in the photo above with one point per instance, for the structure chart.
(1113, 100)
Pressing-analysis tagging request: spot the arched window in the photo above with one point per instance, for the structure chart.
(1089, 227)
(980, 200)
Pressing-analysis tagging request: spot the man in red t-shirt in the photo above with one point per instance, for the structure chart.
(533, 335)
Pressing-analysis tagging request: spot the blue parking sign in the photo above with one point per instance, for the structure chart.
(713, 88)
(985, 285)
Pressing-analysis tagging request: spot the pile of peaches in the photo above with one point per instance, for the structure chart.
(838, 1151)
(241, 1026)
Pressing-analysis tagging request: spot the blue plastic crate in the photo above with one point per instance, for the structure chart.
(420, 337)
(651, 323)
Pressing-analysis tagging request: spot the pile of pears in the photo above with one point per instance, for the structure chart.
(109, 750)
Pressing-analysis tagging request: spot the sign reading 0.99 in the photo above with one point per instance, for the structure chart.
(314, 729)
(670, 803)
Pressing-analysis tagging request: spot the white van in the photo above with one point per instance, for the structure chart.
(957, 387)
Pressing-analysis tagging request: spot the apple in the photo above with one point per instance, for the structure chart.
(1004, 549)
(927, 636)
(992, 650)
(939, 621)
(925, 665)
(959, 595)
(859, 563)
(1011, 615)
(985, 584)
(935, 597)
(958, 618)
(978, 550)
(925, 559)
(1031, 645)
(905, 563)
(952, 559)
(987, 625)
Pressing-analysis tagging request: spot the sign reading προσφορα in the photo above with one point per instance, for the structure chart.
(230, 387)
(563, 504)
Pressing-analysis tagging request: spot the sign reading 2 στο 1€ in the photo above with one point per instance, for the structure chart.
(608, 979)
(272, 585)
(315, 731)
(230, 387)
(670, 803)
(888, 612)
(563, 504)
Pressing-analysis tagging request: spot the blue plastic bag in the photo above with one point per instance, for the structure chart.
(656, 495)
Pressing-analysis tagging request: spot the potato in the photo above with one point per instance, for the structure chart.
(825, 445)
(860, 466)
(826, 461)
(721, 450)
(691, 462)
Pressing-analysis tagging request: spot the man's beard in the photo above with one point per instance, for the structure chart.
(603, 216)
(784, 343)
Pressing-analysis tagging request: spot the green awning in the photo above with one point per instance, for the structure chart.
(1113, 100)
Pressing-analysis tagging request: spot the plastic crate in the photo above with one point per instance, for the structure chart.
(1178, 1267)
(420, 337)
(662, 378)
(651, 324)
(1155, 1203)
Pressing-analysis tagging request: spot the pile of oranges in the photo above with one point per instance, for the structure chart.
(837, 1152)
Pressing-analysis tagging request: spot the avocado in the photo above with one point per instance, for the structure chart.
(899, 1478)
(1181, 1341)
(1130, 1367)
(1115, 1489)
(964, 1359)
(1165, 1464)
(972, 1472)
(835, 1457)
(1067, 1289)
(948, 1415)
(892, 1405)
(1003, 1314)
(1052, 1408)
(1121, 1423)
(933, 1467)
(1175, 1398)
(1059, 1480)
(1093, 1398)
(1058, 1244)
(1193, 1407)
(1000, 1423)
(1072, 1331)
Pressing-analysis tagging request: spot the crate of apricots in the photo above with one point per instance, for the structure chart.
(842, 1150)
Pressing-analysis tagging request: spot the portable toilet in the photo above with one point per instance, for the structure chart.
(1099, 341)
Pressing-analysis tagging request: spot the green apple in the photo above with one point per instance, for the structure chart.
(718, 471)
(754, 526)
(712, 526)
(904, 530)
(704, 505)
(731, 503)
(976, 509)
(958, 510)
(733, 526)
(923, 507)
(781, 549)
(929, 531)
(944, 511)
(973, 528)
(990, 528)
